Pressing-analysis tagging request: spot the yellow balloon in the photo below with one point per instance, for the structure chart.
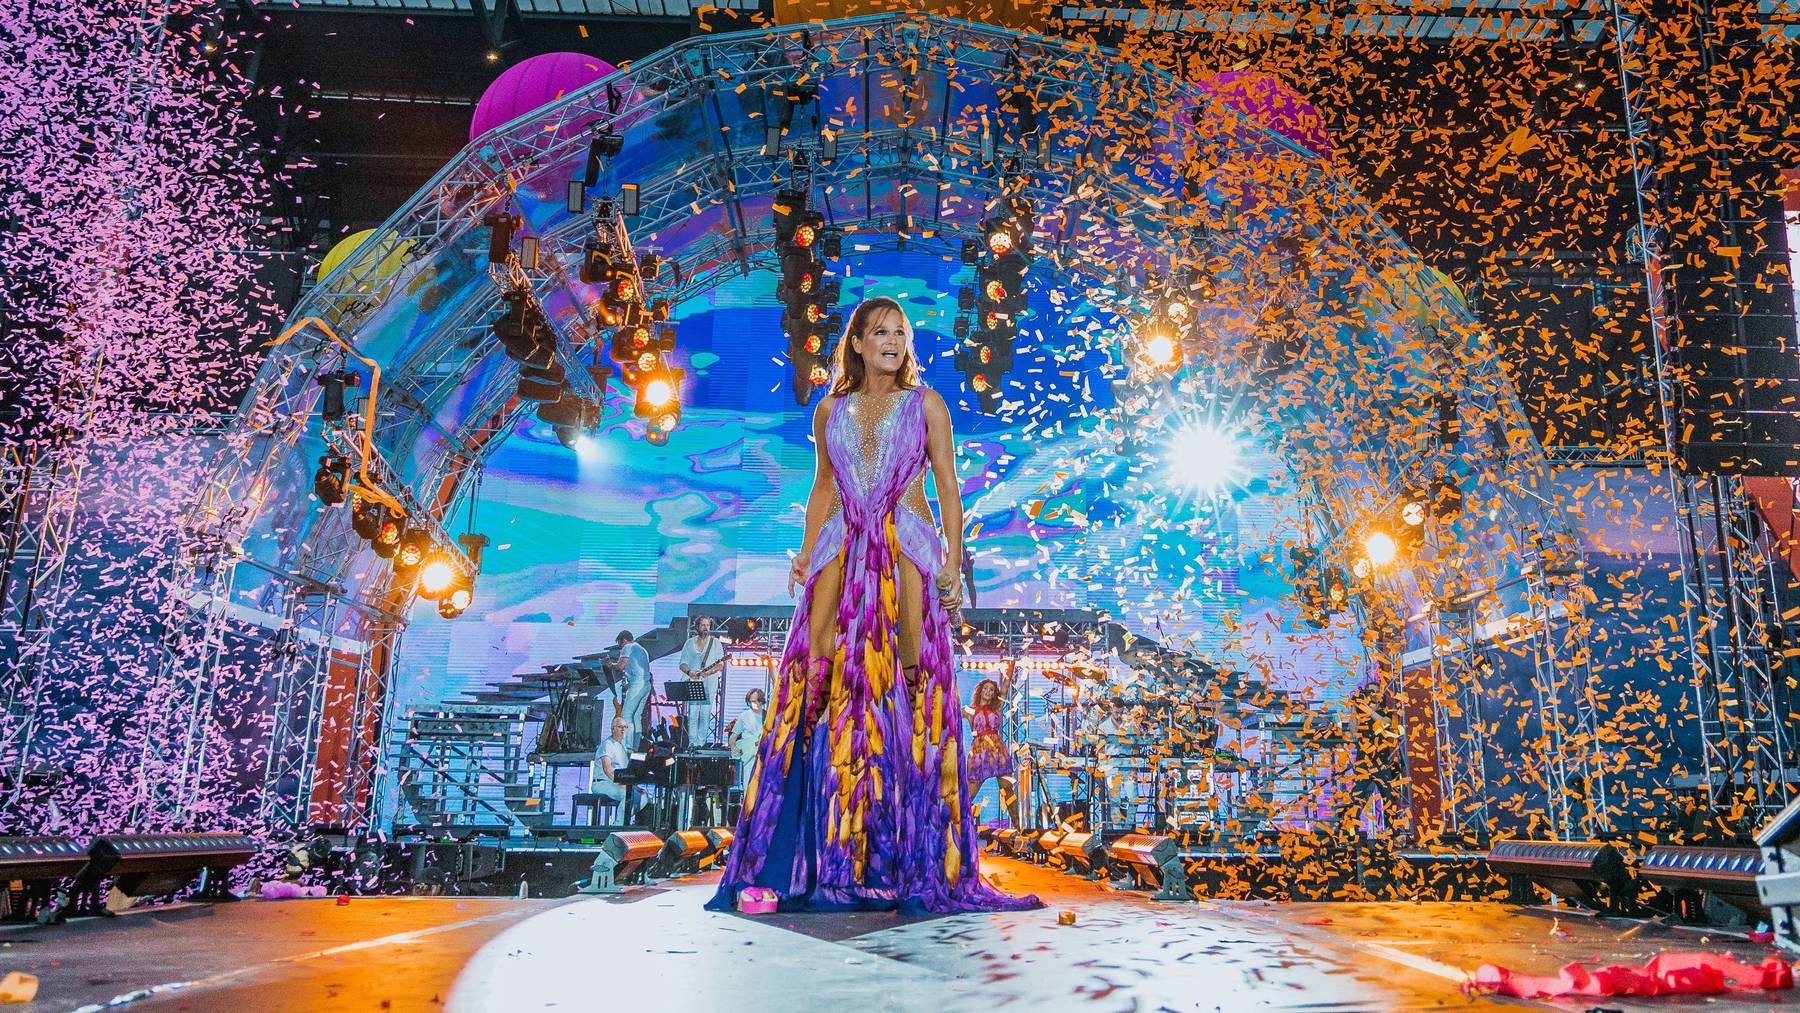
(348, 245)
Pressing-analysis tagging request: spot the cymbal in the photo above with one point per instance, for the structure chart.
(1075, 674)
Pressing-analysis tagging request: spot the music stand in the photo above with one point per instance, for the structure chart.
(685, 692)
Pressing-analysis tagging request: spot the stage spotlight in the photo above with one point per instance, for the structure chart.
(472, 545)
(609, 143)
(681, 853)
(1380, 548)
(790, 213)
(1701, 878)
(623, 855)
(331, 405)
(387, 534)
(37, 869)
(1152, 860)
(1413, 511)
(1083, 852)
(332, 479)
(999, 236)
(596, 266)
(1161, 349)
(806, 233)
(622, 291)
(414, 544)
(657, 394)
(365, 517)
(436, 575)
(1205, 458)
(455, 601)
(501, 226)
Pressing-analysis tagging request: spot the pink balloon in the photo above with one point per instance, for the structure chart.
(1274, 104)
(532, 83)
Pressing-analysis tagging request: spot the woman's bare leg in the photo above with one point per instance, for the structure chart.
(912, 616)
(821, 621)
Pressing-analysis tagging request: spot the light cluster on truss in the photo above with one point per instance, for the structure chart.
(420, 561)
(987, 324)
(642, 337)
(807, 296)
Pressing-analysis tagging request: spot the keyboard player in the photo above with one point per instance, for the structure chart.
(612, 758)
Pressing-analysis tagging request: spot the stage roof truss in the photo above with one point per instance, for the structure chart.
(451, 407)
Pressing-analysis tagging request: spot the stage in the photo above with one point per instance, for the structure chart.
(655, 946)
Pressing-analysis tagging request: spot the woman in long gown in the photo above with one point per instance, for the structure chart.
(857, 799)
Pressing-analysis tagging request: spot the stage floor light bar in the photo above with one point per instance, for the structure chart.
(1082, 851)
(39, 865)
(623, 855)
(681, 852)
(1153, 861)
(1044, 846)
(143, 865)
(718, 845)
(1724, 874)
(41, 857)
(1592, 873)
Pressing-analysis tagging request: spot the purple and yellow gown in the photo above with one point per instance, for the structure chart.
(857, 799)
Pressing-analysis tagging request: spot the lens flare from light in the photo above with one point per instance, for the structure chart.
(1380, 547)
(435, 578)
(1160, 349)
(1205, 458)
(658, 393)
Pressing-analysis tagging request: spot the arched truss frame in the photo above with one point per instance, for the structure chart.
(894, 96)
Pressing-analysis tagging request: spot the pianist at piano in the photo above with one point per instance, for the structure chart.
(612, 758)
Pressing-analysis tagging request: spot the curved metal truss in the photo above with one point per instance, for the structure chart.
(909, 139)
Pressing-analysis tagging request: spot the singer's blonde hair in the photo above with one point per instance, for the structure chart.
(848, 369)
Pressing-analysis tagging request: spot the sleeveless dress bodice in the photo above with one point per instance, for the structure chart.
(862, 435)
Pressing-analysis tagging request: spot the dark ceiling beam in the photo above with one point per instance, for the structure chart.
(493, 23)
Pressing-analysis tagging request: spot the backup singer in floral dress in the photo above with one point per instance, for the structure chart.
(858, 797)
(987, 746)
